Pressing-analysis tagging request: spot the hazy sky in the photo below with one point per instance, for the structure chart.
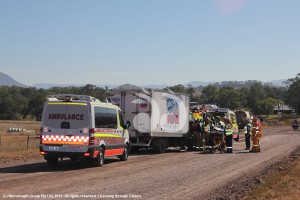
(149, 41)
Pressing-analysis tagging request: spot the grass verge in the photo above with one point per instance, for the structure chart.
(281, 182)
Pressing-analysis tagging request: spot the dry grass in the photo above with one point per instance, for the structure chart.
(16, 146)
(281, 184)
(18, 143)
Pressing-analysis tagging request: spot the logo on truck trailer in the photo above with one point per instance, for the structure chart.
(173, 111)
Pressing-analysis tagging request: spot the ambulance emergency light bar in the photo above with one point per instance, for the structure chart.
(71, 97)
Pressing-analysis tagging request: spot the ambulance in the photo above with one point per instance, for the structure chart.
(80, 126)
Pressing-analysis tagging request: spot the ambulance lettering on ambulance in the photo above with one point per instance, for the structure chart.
(66, 117)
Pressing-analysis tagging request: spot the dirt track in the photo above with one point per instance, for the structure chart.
(174, 175)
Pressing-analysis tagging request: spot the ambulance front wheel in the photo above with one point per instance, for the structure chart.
(124, 156)
(52, 161)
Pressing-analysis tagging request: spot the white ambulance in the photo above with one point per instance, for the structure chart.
(79, 126)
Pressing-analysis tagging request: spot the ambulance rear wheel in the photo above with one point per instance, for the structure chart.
(99, 161)
(52, 162)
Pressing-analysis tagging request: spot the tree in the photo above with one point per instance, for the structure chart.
(210, 94)
(266, 107)
(293, 94)
(290, 81)
(178, 88)
(256, 94)
(243, 95)
(229, 98)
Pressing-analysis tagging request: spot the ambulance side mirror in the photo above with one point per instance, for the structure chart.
(127, 125)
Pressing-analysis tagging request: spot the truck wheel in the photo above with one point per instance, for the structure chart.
(124, 156)
(52, 162)
(99, 161)
(160, 146)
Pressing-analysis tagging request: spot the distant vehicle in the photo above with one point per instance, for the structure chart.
(160, 118)
(295, 125)
(79, 126)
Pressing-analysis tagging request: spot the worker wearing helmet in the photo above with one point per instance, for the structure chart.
(256, 135)
(229, 135)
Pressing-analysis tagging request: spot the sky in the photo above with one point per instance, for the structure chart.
(149, 41)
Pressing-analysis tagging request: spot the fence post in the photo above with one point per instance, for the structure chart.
(27, 141)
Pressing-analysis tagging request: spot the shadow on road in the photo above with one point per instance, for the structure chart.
(65, 165)
(205, 152)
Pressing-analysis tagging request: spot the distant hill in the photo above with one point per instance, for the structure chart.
(277, 82)
(50, 85)
(7, 80)
(199, 83)
(236, 84)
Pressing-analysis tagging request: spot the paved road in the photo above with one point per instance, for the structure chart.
(174, 175)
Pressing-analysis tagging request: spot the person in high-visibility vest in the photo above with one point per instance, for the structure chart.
(256, 135)
(219, 123)
(229, 135)
(247, 132)
(197, 129)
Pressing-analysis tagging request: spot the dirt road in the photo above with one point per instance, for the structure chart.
(174, 175)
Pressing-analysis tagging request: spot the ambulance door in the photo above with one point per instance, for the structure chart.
(65, 127)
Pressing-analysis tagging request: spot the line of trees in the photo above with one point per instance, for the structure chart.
(23, 103)
(254, 96)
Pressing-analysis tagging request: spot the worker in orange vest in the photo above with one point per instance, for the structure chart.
(256, 135)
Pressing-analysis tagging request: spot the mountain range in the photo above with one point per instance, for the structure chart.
(8, 81)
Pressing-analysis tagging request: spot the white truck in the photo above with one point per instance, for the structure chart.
(159, 119)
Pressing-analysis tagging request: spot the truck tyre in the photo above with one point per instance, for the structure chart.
(124, 156)
(160, 146)
(99, 161)
(52, 161)
(134, 149)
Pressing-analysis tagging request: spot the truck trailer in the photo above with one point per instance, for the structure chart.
(159, 119)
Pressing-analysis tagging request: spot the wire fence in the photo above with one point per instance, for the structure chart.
(10, 143)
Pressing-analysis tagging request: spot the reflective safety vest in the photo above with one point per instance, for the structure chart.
(197, 116)
(245, 129)
(228, 130)
(221, 124)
